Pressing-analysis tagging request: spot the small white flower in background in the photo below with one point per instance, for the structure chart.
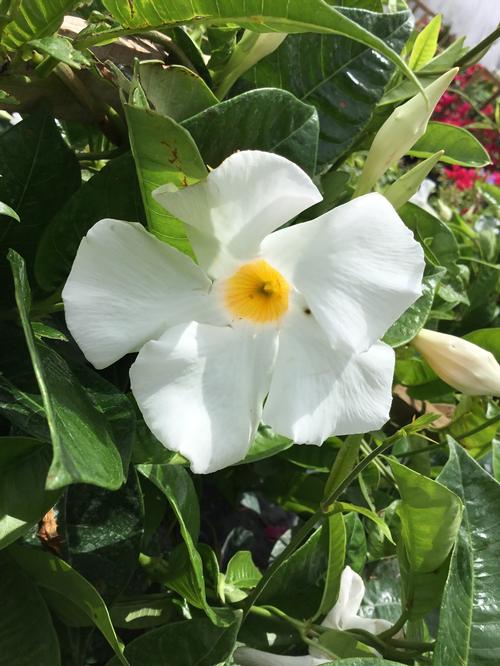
(343, 616)
(293, 315)
(460, 363)
(421, 197)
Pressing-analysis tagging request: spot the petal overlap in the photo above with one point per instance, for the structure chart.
(248, 196)
(200, 389)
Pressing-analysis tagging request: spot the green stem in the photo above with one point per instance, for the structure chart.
(483, 426)
(97, 157)
(487, 41)
(297, 539)
(412, 645)
(397, 626)
(337, 492)
(424, 449)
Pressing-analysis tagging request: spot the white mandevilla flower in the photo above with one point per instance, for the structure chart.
(460, 363)
(293, 315)
(343, 616)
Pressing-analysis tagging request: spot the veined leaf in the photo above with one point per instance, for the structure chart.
(459, 145)
(426, 44)
(35, 19)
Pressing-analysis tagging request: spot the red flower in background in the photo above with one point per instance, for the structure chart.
(463, 178)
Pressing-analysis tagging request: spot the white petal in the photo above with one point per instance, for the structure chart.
(241, 201)
(358, 266)
(126, 287)
(317, 391)
(200, 389)
(245, 656)
(351, 593)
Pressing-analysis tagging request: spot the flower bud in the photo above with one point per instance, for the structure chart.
(406, 124)
(461, 364)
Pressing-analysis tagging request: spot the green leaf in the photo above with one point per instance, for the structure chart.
(8, 212)
(336, 560)
(298, 585)
(195, 642)
(344, 463)
(271, 120)
(241, 571)
(411, 321)
(53, 573)
(426, 43)
(407, 185)
(437, 240)
(177, 486)
(382, 597)
(371, 515)
(343, 79)
(39, 173)
(266, 444)
(28, 635)
(34, 19)
(143, 612)
(164, 152)
(342, 644)
(261, 15)
(102, 534)
(61, 49)
(175, 91)
(487, 338)
(83, 447)
(468, 628)
(430, 518)
(459, 145)
(355, 542)
(24, 463)
(113, 192)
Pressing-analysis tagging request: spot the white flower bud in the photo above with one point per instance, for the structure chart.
(406, 124)
(461, 364)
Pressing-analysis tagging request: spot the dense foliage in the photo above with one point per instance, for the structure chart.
(112, 551)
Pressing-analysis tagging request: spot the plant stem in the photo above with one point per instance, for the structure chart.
(483, 44)
(159, 38)
(298, 538)
(397, 626)
(424, 449)
(483, 426)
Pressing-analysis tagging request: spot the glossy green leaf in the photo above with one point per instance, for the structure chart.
(241, 571)
(430, 518)
(425, 44)
(26, 630)
(83, 447)
(164, 152)
(411, 321)
(342, 644)
(343, 79)
(24, 463)
(382, 597)
(371, 515)
(336, 560)
(266, 444)
(487, 338)
(34, 19)
(113, 192)
(61, 49)
(39, 173)
(195, 642)
(459, 145)
(54, 574)
(142, 612)
(345, 460)
(356, 546)
(175, 91)
(269, 119)
(437, 240)
(291, 16)
(468, 629)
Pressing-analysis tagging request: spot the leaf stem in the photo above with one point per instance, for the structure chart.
(483, 44)
(397, 626)
(483, 426)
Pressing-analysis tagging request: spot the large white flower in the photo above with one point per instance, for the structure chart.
(342, 617)
(293, 315)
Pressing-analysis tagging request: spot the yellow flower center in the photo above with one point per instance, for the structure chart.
(257, 292)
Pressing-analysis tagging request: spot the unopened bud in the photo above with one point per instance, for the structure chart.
(460, 363)
(406, 124)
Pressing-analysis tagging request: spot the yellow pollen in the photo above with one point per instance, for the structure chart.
(257, 292)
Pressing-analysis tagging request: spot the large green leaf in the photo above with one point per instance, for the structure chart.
(488, 338)
(343, 79)
(83, 447)
(34, 19)
(269, 119)
(39, 173)
(164, 152)
(460, 146)
(54, 574)
(437, 240)
(291, 16)
(113, 192)
(27, 635)
(195, 642)
(24, 463)
(469, 627)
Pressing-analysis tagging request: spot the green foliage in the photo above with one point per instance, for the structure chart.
(459, 145)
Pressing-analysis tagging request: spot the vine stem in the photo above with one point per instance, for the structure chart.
(483, 426)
